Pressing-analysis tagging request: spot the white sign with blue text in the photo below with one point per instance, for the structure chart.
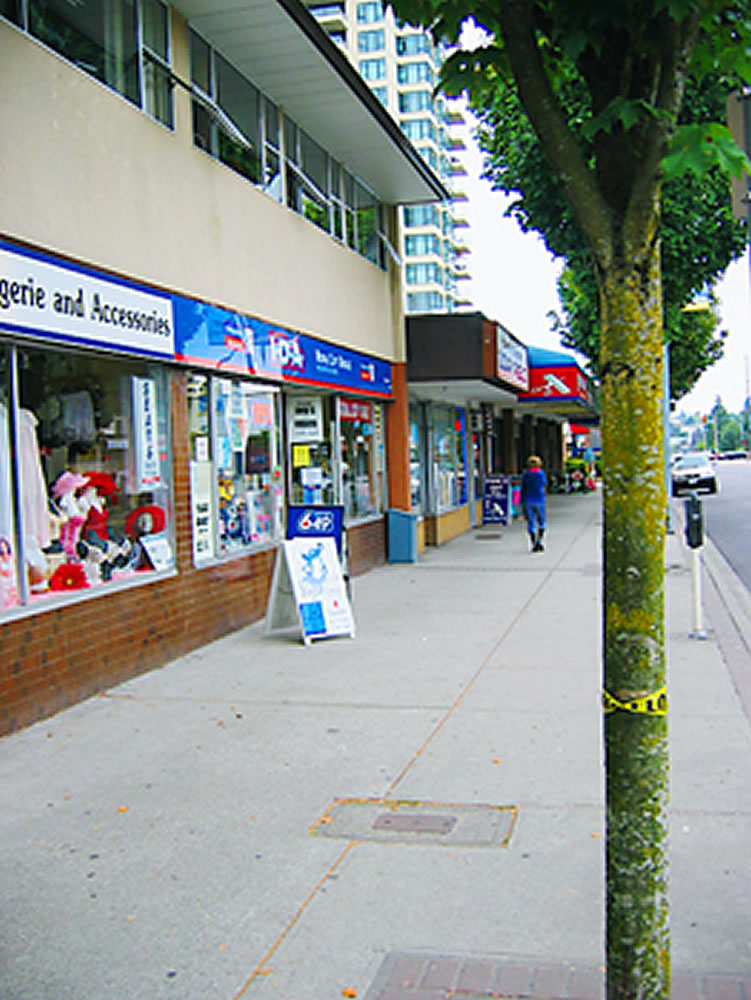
(308, 589)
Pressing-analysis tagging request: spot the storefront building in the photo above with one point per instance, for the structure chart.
(481, 402)
(200, 323)
(465, 372)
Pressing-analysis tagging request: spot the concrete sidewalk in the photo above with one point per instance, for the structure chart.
(414, 814)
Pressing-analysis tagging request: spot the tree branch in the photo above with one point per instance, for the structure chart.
(549, 121)
(676, 52)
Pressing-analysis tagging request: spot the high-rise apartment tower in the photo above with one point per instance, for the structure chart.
(400, 64)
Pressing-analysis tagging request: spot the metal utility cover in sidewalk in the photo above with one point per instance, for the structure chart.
(404, 822)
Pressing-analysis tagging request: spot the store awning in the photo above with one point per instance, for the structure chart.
(559, 384)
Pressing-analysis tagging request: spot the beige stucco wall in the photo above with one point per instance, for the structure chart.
(86, 174)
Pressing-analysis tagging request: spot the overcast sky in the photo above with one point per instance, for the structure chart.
(514, 282)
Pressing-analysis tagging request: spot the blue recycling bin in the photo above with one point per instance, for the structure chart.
(401, 532)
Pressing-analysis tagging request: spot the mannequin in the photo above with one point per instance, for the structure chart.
(8, 590)
(64, 492)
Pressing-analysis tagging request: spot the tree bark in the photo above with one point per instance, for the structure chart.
(636, 736)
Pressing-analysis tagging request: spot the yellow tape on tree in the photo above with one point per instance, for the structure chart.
(650, 704)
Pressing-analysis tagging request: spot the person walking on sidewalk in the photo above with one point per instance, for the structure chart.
(534, 485)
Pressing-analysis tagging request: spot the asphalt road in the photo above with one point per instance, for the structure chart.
(727, 516)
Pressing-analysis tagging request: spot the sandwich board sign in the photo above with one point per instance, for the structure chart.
(308, 590)
(495, 500)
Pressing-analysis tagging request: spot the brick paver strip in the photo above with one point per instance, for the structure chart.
(404, 993)
(441, 973)
(409, 976)
(406, 970)
(722, 988)
(513, 980)
(586, 984)
(551, 980)
(477, 976)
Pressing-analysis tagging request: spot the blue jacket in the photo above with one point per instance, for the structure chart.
(534, 482)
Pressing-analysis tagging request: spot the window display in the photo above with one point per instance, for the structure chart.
(8, 569)
(92, 473)
(310, 432)
(236, 481)
(360, 424)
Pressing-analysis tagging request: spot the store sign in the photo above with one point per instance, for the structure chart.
(210, 336)
(145, 434)
(355, 410)
(43, 298)
(513, 366)
(558, 382)
(316, 522)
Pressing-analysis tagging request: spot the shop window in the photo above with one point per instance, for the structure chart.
(312, 476)
(235, 470)
(460, 432)
(9, 593)
(91, 483)
(416, 462)
(449, 457)
(360, 432)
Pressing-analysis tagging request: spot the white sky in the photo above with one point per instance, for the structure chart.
(513, 281)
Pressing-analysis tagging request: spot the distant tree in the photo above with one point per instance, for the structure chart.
(731, 435)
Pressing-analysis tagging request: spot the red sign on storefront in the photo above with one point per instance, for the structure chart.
(557, 382)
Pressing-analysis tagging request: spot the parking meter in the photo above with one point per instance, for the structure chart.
(694, 522)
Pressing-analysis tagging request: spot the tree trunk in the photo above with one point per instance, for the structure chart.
(635, 703)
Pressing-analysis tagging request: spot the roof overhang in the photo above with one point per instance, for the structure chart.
(462, 392)
(281, 48)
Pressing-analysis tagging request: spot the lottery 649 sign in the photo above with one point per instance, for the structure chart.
(495, 500)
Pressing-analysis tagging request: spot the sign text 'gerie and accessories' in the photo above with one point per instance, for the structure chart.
(42, 298)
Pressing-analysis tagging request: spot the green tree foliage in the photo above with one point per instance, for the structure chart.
(602, 83)
(699, 235)
(731, 436)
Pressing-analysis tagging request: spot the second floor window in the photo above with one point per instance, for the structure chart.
(123, 43)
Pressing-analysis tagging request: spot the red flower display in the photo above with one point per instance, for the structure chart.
(69, 576)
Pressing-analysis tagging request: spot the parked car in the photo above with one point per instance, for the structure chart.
(692, 473)
(738, 453)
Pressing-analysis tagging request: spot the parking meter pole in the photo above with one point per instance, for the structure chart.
(695, 541)
(698, 632)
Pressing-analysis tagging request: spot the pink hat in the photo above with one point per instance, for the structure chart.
(68, 482)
